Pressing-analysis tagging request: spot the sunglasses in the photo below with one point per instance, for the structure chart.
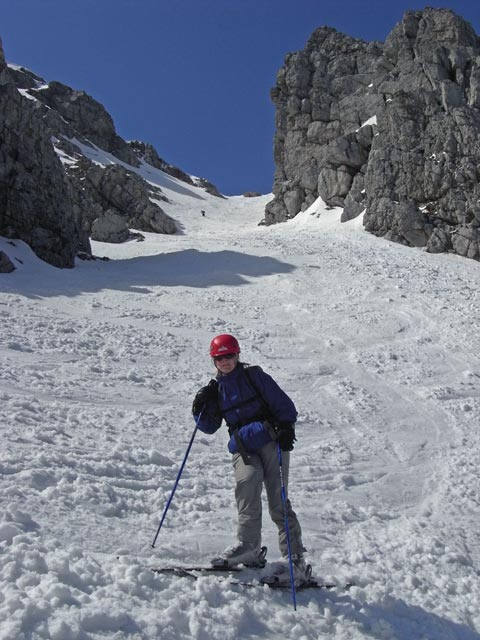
(226, 356)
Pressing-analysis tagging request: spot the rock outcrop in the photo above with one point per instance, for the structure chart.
(110, 227)
(85, 116)
(126, 194)
(37, 203)
(6, 265)
(56, 206)
(392, 129)
(147, 153)
(209, 187)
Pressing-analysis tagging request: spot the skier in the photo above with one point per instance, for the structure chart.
(259, 414)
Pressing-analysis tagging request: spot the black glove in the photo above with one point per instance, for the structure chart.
(205, 395)
(285, 435)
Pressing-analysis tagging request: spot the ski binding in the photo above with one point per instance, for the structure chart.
(218, 566)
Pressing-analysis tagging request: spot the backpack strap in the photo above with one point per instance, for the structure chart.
(267, 419)
(265, 412)
(254, 386)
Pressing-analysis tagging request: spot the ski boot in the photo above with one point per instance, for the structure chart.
(302, 573)
(246, 553)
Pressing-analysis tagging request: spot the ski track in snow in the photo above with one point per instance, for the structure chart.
(377, 344)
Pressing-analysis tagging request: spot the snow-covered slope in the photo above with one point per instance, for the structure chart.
(377, 344)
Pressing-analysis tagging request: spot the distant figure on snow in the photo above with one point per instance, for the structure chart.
(203, 213)
(260, 416)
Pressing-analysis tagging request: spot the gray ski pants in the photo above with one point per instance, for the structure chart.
(264, 470)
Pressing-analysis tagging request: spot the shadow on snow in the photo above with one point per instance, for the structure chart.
(393, 618)
(187, 268)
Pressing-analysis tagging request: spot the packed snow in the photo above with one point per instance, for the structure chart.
(377, 344)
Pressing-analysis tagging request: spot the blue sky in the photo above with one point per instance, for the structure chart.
(192, 77)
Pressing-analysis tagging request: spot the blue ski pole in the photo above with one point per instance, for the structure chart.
(178, 479)
(287, 529)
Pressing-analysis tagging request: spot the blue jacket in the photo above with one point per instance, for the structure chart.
(245, 406)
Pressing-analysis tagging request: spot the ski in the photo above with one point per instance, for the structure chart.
(218, 566)
(196, 572)
(308, 584)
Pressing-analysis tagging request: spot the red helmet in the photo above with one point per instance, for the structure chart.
(222, 344)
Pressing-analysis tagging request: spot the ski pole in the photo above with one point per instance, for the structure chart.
(178, 478)
(287, 529)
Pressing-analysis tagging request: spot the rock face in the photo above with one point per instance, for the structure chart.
(6, 265)
(148, 154)
(110, 227)
(125, 193)
(392, 129)
(209, 187)
(55, 207)
(37, 203)
(87, 117)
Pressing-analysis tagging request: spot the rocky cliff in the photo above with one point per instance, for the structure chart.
(389, 129)
(37, 202)
(52, 194)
